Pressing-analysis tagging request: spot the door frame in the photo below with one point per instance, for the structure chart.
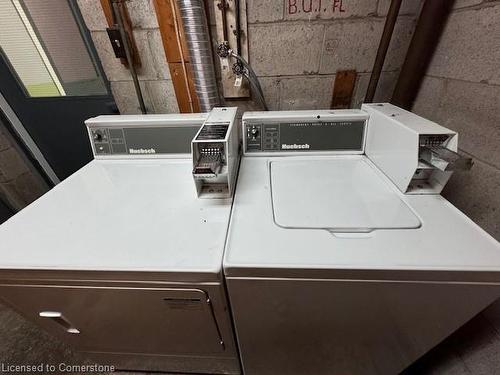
(28, 142)
(15, 124)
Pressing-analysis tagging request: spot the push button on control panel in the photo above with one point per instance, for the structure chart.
(271, 138)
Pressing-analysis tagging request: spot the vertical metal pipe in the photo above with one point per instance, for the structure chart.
(430, 26)
(117, 11)
(199, 45)
(385, 40)
(237, 29)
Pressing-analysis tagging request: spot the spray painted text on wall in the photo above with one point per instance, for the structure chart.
(328, 9)
(314, 8)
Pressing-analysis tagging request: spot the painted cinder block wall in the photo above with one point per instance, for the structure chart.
(154, 75)
(296, 48)
(294, 53)
(461, 91)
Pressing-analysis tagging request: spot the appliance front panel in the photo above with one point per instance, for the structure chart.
(315, 135)
(142, 140)
(324, 327)
(163, 321)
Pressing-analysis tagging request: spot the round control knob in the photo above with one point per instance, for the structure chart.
(254, 132)
(97, 136)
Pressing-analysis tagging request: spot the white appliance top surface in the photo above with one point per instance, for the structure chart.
(341, 195)
(120, 215)
(306, 114)
(447, 240)
(416, 123)
(147, 120)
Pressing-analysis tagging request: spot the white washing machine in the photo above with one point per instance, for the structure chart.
(121, 260)
(342, 257)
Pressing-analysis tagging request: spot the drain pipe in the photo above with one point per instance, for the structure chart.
(430, 26)
(385, 40)
(199, 45)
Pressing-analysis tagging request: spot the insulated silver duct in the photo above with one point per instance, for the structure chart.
(199, 45)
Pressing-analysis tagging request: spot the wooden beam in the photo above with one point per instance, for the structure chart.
(108, 12)
(177, 55)
(343, 89)
(167, 28)
(181, 92)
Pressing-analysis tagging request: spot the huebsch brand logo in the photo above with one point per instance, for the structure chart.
(295, 146)
(142, 151)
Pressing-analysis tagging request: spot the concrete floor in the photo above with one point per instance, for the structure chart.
(473, 349)
(22, 342)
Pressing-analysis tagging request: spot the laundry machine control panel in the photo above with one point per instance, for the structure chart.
(321, 131)
(142, 140)
(143, 135)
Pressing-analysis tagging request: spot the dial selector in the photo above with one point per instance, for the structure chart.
(254, 132)
(99, 136)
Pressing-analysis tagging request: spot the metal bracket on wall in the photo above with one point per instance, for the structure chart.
(236, 35)
(113, 31)
(116, 42)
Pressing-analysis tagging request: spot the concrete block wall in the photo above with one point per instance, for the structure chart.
(154, 74)
(296, 48)
(462, 91)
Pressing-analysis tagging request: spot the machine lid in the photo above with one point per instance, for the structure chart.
(337, 194)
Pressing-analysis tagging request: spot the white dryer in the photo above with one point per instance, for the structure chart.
(342, 257)
(122, 260)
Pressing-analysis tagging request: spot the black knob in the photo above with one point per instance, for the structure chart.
(97, 136)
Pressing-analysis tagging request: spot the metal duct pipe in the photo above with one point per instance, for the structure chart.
(199, 45)
(427, 33)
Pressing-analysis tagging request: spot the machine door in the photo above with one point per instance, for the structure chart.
(122, 320)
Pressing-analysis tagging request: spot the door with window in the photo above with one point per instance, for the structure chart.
(51, 78)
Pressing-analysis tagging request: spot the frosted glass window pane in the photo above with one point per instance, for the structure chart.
(42, 42)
